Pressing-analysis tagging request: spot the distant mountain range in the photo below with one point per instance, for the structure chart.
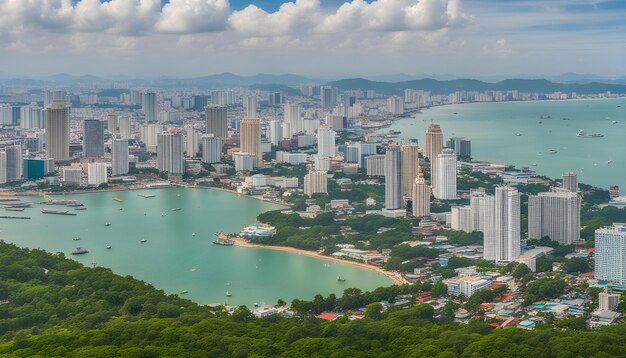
(445, 87)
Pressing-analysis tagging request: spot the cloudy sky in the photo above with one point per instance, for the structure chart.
(312, 37)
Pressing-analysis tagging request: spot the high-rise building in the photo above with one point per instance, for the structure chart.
(275, 132)
(211, 149)
(276, 98)
(336, 122)
(393, 179)
(217, 121)
(72, 175)
(149, 106)
(170, 157)
(555, 214)
(410, 167)
(375, 165)
(316, 182)
(478, 207)
(199, 102)
(462, 147)
(93, 138)
(421, 198)
(293, 120)
(36, 168)
(434, 142)
(250, 106)
(3, 167)
(112, 125)
(96, 173)
(192, 142)
(13, 162)
(119, 157)
(608, 301)
(461, 218)
(322, 163)
(57, 125)
(149, 134)
(610, 251)
(444, 176)
(244, 161)
(570, 181)
(124, 127)
(251, 139)
(329, 96)
(502, 233)
(326, 142)
(395, 105)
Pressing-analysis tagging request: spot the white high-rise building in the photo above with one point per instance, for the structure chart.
(149, 106)
(211, 149)
(393, 179)
(3, 167)
(244, 161)
(608, 301)
(610, 250)
(72, 175)
(250, 106)
(410, 167)
(275, 132)
(461, 218)
(311, 125)
(315, 182)
(293, 120)
(192, 142)
(96, 173)
(395, 105)
(251, 139)
(119, 157)
(570, 181)
(478, 204)
(170, 157)
(57, 126)
(444, 176)
(13, 162)
(217, 121)
(502, 235)
(555, 214)
(112, 125)
(124, 127)
(149, 134)
(322, 163)
(375, 165)
(326, 142)
(421, 198)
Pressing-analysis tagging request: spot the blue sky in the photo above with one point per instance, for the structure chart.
(313, 37)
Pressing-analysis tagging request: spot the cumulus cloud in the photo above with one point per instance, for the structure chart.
(395, 15)
(290, 18)
(194, 16)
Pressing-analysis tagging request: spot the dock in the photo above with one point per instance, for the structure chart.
(15, 217)
(57, 212)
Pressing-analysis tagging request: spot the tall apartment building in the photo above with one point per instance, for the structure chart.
(316, 182)
(610, 250)
(570, 181)
(502, 241)
(119, 157)
(393, 179)
(93, 138)
(443, 176)
(251, 139)
(410, 167)
(292, 123)
(326, 142)
(555, 214)
(170, 156)
(149, 106)
(421, 198)
(217, 121)
(434, 142)
(57, 125)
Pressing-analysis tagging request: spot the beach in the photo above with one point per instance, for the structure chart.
(393, 276)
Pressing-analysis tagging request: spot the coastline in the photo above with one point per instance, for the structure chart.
(395, 277)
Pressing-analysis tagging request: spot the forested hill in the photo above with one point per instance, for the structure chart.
(56, 307)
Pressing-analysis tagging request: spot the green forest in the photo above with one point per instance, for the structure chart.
(52, 306)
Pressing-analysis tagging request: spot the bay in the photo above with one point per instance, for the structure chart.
(492, 128)
(172, 258)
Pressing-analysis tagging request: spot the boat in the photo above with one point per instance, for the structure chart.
(79, 251)
(146, 196)
(14, 209)
(340, 279)
(228, 294)
(583, 134)
(518, 134)
(162, 214)
(119, 200)
(57, 212)
(80, 208)
(193, 234)
(143, 240)
(540, 122)
(108, 247)
(76, 238)
(184, 292)
(176, 209)
(614, 122)
(609, 162)
(565, 119)
(553, 151)
(107, 224)
(545, 117)
(534, 164)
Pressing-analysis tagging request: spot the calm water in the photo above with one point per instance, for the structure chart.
(174, 260)
(492, 128)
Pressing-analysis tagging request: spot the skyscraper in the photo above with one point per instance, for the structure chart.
(211, 149)
(13, 162)
(410, 167)
(610, 250)
(170, 153)
(570, 181)
(462, 147)
(119, 157)
(149, 135)
(93, 138)
(555, 214)
(444, 176)
(112, 123)
(3, 167)
(57, 126)
(421, 198)
(434, 142)
(250, 106)
(192, 142)
(96, 173)
(395, 105)
(275, 132)
(393, 179)
(293, 120)
(329, 96)
(251, 138)
(217, 121)
(315, 182)
(149, 106)
(326, 142)
(502, 233)
(124, 127)
(478, 204)
(276, 98)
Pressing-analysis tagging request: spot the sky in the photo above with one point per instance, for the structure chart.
(188, 38)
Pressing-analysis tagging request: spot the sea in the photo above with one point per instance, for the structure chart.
(178, 253)
(542, 126)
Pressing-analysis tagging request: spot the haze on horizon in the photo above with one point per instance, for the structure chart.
(189, 38)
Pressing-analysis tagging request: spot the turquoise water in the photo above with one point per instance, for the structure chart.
(174, 260)
(492, 128)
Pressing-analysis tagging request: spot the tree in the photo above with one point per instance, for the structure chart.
(520, 271)
(374, 311)
(439, 289)
(576, 265)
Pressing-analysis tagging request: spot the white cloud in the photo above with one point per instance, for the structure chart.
(290, 18)
(194, 16)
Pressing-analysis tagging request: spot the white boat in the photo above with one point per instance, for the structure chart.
(108, 247)
(228, 294)
(609, 162)
(184, 292)
(614, 122)
(518, 134)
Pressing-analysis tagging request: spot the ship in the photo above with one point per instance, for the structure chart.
(553, 151)
(79, 251)
(143, 240)
(545, 117)
(108, 247)
(176, 209)
(107, 224)
(614, 122)
(146, 196)
(340, 279)
(184, 292)
(119, 200)
(518, 134)
(228, 294)
(583, 134)
(57, 212)
(77, 238)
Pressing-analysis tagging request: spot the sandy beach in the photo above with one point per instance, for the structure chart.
(393, 276)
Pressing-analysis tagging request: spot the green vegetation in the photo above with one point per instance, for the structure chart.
(81, 312)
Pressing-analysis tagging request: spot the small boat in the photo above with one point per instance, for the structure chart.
(79, 251)
(614, 122)
(609, 162)
(534, 164)
(80, 208)
(193, 234)
(143, 240)
(176, 209)
(184, 292)
(228, 294)
(108, 247)
(119, 200)
(340, 279)
(545, 117)
(553, 151)
(540, 122)
(518, 134)
(146, 196)
(107, 224)
(76, 238)
(565, 119)
(162, 214)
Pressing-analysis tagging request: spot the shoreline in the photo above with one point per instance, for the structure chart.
(395, 277)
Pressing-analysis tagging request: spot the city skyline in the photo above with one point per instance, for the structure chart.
(312, 37)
